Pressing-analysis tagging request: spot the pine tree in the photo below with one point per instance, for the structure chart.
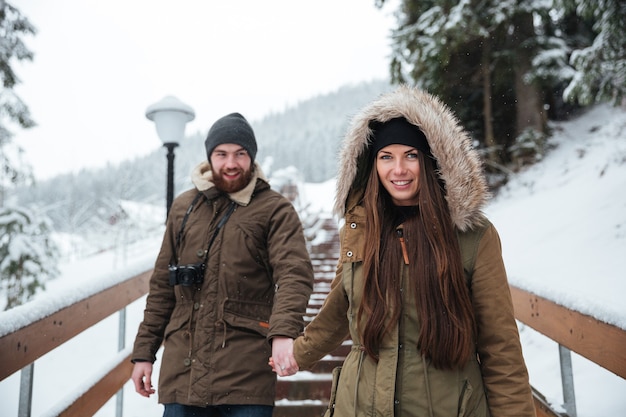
(476, 55)
(27, 253)
(512, 64)
(600, 67)
(13, 111)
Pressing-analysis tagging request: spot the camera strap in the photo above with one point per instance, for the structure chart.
(184, 222)
(221, 223)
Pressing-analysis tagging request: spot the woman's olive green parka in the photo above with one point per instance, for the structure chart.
(402, 383)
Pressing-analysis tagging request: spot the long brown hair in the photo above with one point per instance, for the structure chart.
(447, 324)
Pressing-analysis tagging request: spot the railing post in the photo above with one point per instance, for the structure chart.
(567, 380)
(121, 342)
(26, 390)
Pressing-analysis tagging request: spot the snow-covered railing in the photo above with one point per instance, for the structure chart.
(593, 339)
(601, 343)
(29, 341)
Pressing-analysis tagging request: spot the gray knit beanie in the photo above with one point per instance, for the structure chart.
(232, 128)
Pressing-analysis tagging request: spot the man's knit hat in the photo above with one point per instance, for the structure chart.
(232, 128)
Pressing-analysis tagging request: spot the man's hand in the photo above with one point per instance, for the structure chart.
(282, 360)
(142, 377)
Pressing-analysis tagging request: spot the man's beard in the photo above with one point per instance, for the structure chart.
(229, 186)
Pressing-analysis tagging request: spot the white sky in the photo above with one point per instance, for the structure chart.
(99, 64)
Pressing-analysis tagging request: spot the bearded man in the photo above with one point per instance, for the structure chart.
(229, 288)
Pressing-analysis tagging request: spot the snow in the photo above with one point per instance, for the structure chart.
(578, 191)
(563, 229)
(70, 287)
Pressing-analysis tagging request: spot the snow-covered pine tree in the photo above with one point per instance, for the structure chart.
(27, 253)
(13, 26)
(601, 66)
(475, 55)
(510, 63)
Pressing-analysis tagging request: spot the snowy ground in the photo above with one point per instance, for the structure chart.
(563, 229)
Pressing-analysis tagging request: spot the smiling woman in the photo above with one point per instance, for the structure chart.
(97, 68)
(412, 187)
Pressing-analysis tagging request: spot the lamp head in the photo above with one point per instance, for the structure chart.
(170, 116)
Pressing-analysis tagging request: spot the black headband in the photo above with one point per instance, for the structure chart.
(398, 131)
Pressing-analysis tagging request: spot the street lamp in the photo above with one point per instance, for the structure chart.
(170, 116)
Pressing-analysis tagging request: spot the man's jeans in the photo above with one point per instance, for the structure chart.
(179, 410)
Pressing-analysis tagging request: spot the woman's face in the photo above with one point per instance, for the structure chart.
(398, 168)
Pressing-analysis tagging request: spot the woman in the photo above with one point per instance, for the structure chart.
(420, 287)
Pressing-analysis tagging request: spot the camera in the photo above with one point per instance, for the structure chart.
(187, 275)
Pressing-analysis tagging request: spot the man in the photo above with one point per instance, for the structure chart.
(229, 289)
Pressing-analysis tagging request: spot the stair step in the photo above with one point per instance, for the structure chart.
(304, 386)
(343, 350)
(299, 409)
(326, 366)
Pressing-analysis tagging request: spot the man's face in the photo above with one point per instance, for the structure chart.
(232, 167)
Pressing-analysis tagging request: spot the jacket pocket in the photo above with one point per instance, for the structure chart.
(330, 411)
(472, 402)
(248, 315)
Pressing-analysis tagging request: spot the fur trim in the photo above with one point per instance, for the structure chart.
(460, 165)
(202, 178)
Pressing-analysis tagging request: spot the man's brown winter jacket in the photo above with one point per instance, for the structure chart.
(258, 279)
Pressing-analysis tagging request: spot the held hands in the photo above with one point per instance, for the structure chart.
(282, 360)
(142, 377)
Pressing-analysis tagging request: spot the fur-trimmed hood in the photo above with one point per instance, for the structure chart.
(460, 166)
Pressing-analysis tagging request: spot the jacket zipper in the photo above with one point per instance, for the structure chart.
(405, 255)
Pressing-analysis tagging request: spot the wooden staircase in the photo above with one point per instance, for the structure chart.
(306, 393)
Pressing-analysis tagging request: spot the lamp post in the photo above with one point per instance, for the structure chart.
(170, 116)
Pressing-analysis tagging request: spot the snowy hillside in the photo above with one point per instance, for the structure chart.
(563, 228)
(563, 221)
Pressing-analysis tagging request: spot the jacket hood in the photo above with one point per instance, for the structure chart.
(202, 178)
(460, 166)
